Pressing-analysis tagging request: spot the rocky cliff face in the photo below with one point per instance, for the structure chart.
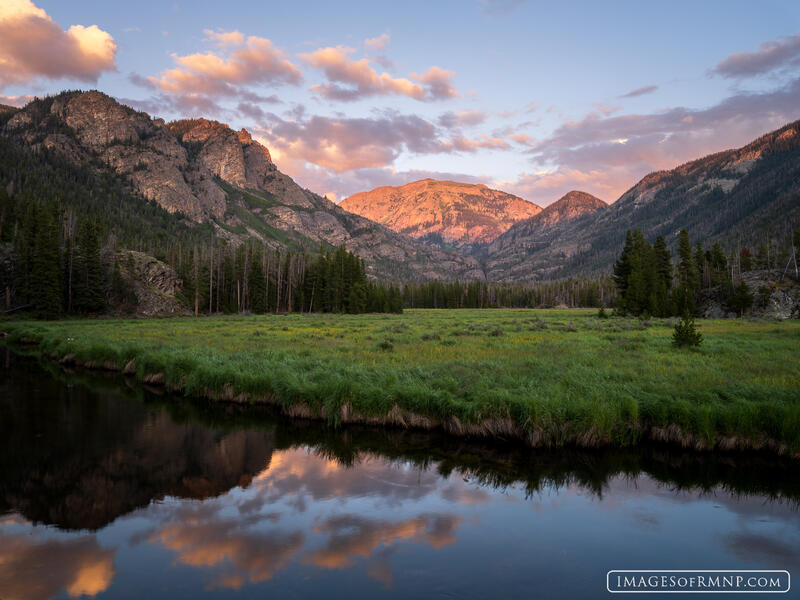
(444, 212)
(91, 126)
(206, 171)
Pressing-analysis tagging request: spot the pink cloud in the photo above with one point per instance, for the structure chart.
(377, 43)
(438, 81)
(350, 79)
(258, 61)
(224, 38)
(32, 45)
(545, 187)
(358, 77)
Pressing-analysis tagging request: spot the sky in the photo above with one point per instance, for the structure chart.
(534, 98)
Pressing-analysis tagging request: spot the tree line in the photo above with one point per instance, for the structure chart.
(572, 292)
(55, 263)
(648, 282)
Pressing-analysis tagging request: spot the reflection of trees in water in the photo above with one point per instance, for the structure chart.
(79, 458)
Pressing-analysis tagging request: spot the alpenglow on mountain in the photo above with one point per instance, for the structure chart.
(442, 212)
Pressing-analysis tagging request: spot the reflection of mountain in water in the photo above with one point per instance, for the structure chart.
(78, 459)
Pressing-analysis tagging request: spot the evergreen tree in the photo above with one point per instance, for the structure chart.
(45, 274)
(88, 292)
(685, 333)
(688, 280)
(741, 300)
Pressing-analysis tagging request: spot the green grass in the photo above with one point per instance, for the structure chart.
(556, 370)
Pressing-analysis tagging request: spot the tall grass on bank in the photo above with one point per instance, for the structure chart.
(565, 373)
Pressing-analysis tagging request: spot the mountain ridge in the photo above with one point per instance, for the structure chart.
(202, 171)
(448, 212)
(737, 197)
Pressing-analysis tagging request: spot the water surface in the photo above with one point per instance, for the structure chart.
(114, 492)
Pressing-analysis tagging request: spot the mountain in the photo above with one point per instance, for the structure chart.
(508, 252)
(445, 213)
(205, 174)
(737, 197)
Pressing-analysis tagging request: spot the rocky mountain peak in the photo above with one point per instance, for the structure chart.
(449, 212)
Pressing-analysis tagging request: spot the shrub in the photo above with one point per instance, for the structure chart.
(386, 345)
(685, 333)
(602, 314)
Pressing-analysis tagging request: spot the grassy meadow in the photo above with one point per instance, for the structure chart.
(565, 374)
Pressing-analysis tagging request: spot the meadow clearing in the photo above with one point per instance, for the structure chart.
(549, 377)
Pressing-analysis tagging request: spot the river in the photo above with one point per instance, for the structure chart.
(109, 490)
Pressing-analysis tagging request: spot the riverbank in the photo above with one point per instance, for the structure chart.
(545, 377)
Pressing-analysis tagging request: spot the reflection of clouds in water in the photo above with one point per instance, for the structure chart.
(204, 538)
(620, 490)
(353, 536)
(250, 544)
(755, 546)
(297, 471)
(32, 568)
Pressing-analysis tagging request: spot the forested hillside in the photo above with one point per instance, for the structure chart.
(744, 197)
(210, 178)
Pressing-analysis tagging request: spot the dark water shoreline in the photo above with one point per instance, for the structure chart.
(503, 431)
(495, 463)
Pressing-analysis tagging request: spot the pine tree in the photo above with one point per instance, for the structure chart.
(45, 275)
(741, 300)
(685, 333)
(688, 280)
(89, 294)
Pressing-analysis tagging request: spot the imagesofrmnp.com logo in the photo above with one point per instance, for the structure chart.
(698, 582)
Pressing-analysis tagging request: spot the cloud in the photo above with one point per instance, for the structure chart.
(251, 110)
(18, 101)
(257, 61)
(377, 43)
(606, 155)
(462, 118)
(546, 186)
(439, 83)
(522, 139)
(224, 38)
(32, 45)
(462, 144)
(359, 78)
(771, 55)
(642, 91)
(350, 80)
(343, 144)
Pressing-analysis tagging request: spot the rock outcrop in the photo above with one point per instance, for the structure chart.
(155, 284)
